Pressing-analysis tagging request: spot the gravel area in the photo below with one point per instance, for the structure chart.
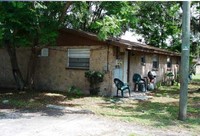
(59, 122)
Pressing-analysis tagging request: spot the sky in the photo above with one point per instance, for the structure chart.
(131, 36)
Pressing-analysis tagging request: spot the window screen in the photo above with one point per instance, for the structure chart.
(169, 62)
(155, 62)
(143, 61)
(78, 58)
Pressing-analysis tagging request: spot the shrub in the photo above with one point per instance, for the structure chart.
(94, 78)
(74, 91)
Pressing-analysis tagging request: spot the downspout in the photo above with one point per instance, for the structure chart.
(109, 73)
(128, 69)
(108, 50)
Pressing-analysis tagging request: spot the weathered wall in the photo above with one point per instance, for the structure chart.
(102, 59)
(53, 74)
(6, 75)
(137, 67)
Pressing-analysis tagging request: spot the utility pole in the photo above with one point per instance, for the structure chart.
(184, 61)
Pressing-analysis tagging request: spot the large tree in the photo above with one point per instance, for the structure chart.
(36, 24)
(32, 24)
(159, 23)
(195, 29)
(103, 18)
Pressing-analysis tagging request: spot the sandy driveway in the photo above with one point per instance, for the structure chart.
(50, 122)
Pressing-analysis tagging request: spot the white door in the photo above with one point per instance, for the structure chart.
(121, 71)
(118, 73)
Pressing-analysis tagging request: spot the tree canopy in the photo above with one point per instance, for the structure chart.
(30, 24)
(195, 29)
(24, 22)
(103, 18)
(158, 22)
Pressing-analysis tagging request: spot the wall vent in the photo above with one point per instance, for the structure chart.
(44, 52)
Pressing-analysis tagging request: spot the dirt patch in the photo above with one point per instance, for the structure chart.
(49, 122)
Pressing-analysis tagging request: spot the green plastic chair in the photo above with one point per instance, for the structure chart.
(121, 86)
(138, 81)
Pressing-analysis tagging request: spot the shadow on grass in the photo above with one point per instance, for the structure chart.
(20, 103)
(170, 90)
(157, 113)
(21, 113)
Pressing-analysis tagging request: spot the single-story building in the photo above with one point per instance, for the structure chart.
(64, 65)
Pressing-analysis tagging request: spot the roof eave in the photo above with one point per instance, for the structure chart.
(130, 46)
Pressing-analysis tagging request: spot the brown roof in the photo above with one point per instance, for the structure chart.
(143, 47)
(122, 43)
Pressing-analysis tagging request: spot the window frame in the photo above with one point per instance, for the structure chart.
(169, 63)
(155, 62)
(143, 60)
(75, 56)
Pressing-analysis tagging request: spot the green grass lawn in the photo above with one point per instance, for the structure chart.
(160, 111)
(196, 78)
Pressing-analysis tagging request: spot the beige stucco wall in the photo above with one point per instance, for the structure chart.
(137, 67)
(102, 59)
(52, 73)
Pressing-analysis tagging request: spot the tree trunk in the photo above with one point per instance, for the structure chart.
(14, 63)
(31, 69)
(32, 63)
(66, 7)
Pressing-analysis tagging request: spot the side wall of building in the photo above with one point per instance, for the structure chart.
(52, 73)
(137, 67)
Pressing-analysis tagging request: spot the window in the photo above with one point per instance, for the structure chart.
(169, 63)
(155, 62)
(78, 58)
(143, 61)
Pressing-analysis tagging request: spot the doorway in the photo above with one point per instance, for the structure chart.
(121, 68)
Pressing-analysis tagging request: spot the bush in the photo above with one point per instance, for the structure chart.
(94, 78)
(74, 91)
